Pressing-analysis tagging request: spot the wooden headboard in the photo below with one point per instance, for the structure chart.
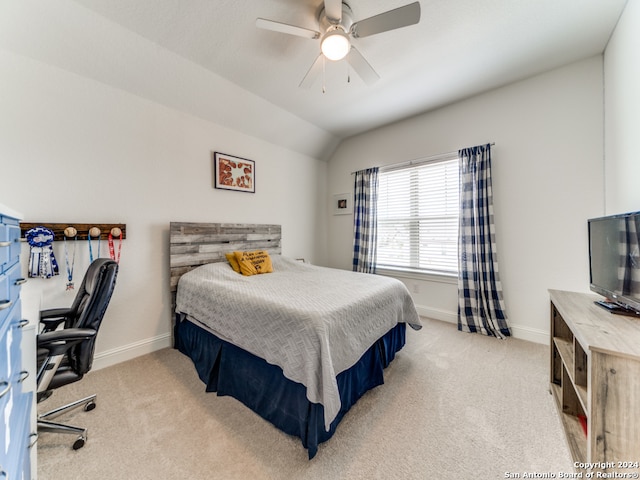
(195, 244)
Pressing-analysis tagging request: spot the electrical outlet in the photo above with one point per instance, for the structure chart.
(416, 288)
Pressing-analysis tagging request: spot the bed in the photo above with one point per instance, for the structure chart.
(298, 346)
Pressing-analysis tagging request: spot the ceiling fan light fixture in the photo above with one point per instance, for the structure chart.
(335, 44)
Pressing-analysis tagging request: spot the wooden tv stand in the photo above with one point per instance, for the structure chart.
(595, 374)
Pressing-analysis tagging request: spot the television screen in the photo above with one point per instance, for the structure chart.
(614, 258)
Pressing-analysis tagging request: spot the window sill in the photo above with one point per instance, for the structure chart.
(427, 277)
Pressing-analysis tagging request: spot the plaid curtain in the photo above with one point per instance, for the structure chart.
(628, 273)
(480, 304)
(365, 221)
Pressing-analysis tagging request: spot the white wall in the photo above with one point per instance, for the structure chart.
(66, 34)
(76, 150)
(73, 149)
(622, 113)
(547, 167)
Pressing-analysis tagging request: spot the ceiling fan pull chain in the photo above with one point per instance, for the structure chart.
(324, 89)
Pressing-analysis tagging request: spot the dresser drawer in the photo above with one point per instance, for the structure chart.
(14, 444)
(9, 242)
(16, 280)
(10, 349)
(11, 377)
(10, 283)
(17, 390)
(6, 303)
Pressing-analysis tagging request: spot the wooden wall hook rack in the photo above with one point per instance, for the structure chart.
(81, 228)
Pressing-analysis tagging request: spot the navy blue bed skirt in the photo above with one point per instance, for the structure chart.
(261, 386)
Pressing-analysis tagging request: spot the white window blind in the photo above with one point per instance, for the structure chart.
(418, 210)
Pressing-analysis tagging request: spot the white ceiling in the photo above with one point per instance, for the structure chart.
(207, 58)
(460, 48)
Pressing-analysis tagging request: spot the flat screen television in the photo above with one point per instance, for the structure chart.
(614, 261)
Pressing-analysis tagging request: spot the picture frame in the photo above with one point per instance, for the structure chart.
(234, 173)
(342, 204)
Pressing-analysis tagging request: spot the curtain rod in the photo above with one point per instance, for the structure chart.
(419, 160)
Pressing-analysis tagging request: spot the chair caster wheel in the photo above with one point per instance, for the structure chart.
(79, 443)
(90, 406)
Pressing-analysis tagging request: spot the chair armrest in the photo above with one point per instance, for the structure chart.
(54, 312)
(53, 317)
(59, 341)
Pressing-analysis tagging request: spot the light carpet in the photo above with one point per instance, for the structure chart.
(453, 406)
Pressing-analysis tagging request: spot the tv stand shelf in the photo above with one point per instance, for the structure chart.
(595, 380)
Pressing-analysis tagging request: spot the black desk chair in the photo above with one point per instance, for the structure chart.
(67, 341)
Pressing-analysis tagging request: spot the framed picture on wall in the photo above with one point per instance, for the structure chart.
(342, 204)
(234, 173)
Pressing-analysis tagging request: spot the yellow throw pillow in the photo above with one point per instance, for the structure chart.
(252, 263)
(231, 258)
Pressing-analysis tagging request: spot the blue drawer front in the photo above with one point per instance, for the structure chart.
(9, 242)
(15, 445)
(15, 404)
(11, 378)
(6, 302)
(5, 251)
(17, 374)
(7, 402)
(15, 281)
(10, 283)
(10, 353)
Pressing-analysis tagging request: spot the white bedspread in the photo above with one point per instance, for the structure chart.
(311, 321)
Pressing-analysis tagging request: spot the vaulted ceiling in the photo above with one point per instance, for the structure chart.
(458, 49)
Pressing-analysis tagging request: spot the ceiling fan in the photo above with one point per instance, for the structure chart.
(337, 31)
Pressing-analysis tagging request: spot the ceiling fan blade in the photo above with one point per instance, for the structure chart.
(313, 73)
(362, 67)
(397, 18)
(286, 28)
(333, 10)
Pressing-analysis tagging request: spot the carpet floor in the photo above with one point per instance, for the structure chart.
(454, 406)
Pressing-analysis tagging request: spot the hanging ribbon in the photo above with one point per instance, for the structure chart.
(71, 232)
(42, 262)
(97, 233)
(112, 253)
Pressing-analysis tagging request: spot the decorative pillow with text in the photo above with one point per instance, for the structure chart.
(231, 258)
(254, 263)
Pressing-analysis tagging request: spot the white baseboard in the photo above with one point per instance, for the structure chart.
(534, 335)
(524, 333)
(437, 314)
(133, 350)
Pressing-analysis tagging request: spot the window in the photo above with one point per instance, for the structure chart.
(418, 217)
